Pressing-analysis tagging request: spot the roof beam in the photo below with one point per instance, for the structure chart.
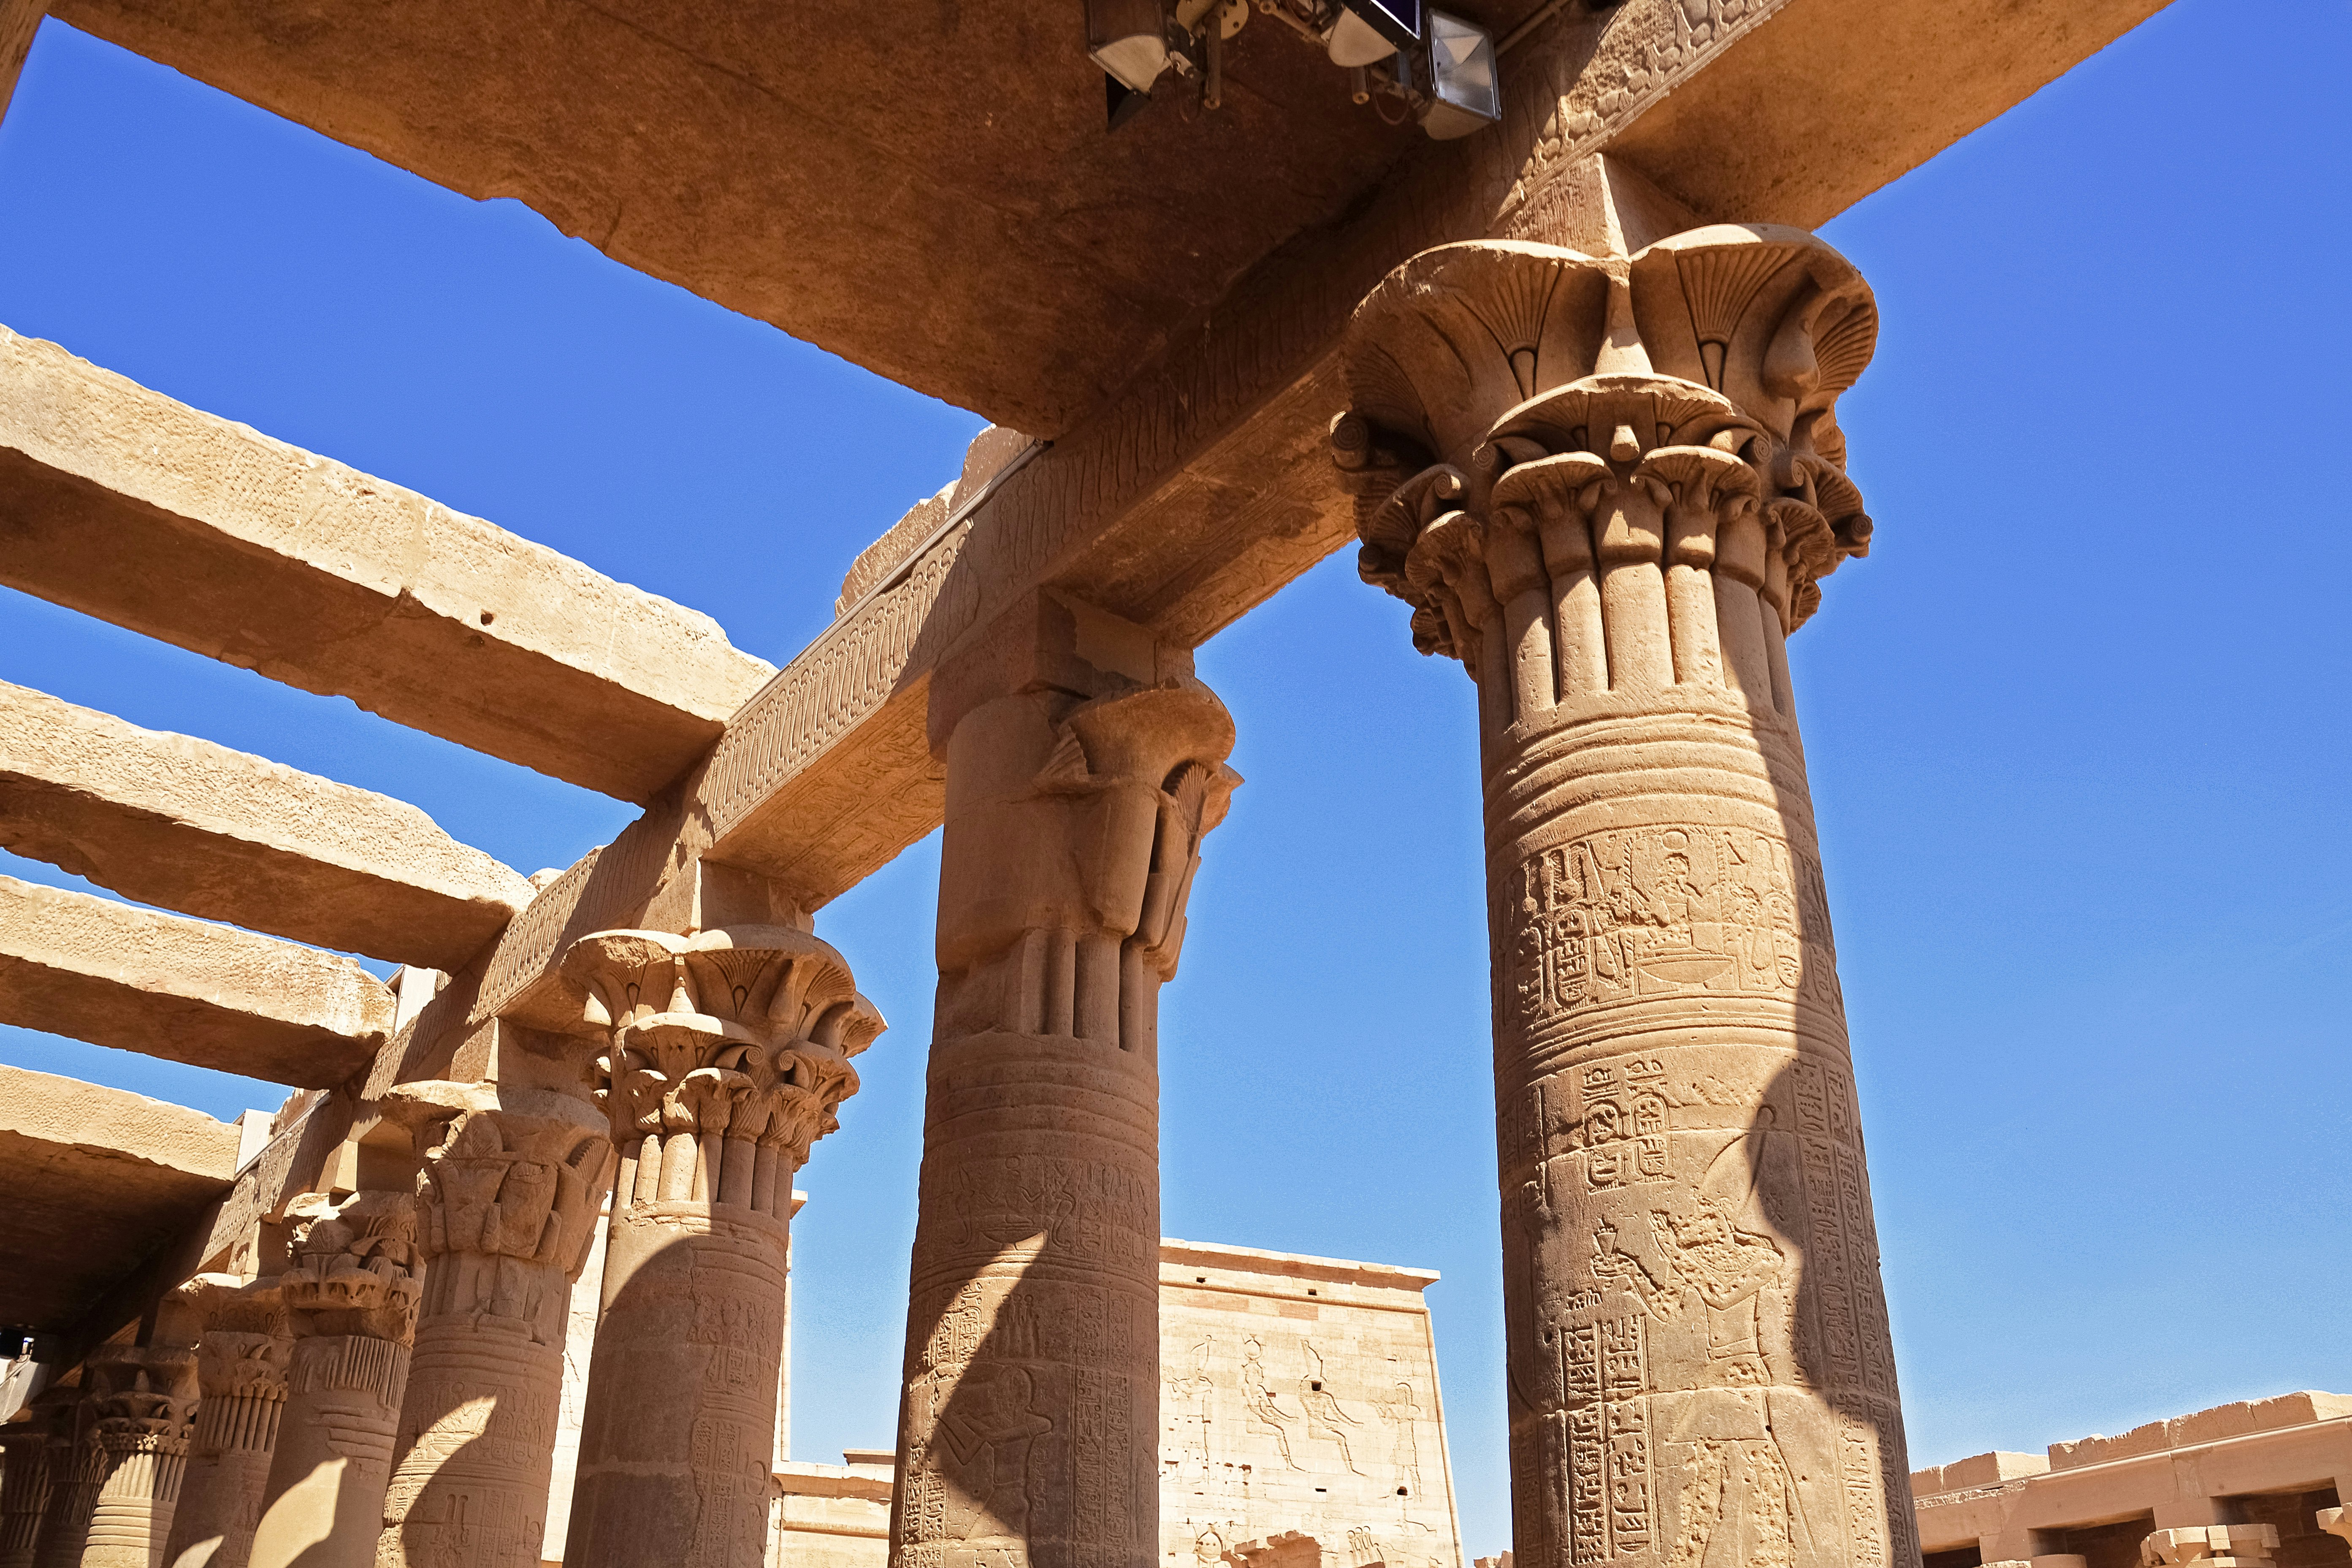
(1203, 483)
(137, 979)
(19, 20)
(125, 505)
(98, 1180)
(183, 823)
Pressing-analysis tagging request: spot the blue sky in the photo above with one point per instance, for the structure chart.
(2077, 727)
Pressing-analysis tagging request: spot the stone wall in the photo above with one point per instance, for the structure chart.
(1300, 1426)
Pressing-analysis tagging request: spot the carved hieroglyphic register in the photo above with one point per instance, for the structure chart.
(1027, 1424)
(1611, 487)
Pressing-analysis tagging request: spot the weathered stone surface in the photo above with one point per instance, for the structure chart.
(350, 1290)
(95, 969)
(512, 1188)
(244, 1348)
(1079, 256)
(19, 20)
(101, 1178)
(245, 549)
(186, 825)
(1611, 489)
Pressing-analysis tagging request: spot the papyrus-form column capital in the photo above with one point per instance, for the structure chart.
(726, 1055)
(1559, 458)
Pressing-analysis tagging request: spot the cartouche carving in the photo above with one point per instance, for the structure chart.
(1611, 487)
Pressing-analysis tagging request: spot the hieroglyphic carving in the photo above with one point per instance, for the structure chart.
(1620, 917)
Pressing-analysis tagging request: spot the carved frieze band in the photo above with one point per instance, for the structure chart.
(1664, 912)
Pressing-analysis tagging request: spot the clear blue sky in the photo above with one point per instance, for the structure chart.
(2077, 728)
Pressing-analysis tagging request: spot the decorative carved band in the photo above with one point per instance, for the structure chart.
(1596, 476)
(727, 1053)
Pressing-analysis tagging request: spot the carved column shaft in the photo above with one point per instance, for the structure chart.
(76, 1469)
(508, 1199)
(1611, 489)
(24, 1494)
(351, 1295)
(726, 1054)
(1029, 1421)
(243, 1350)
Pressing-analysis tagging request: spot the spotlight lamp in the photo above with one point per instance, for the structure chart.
(1465, 92)
(1129, 38)
(1365, 31)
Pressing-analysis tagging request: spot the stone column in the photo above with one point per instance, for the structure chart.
(725, 1054)
(1611, 487)
(508, 1204)
(24, 1492)
(243, 1350)
(72, 1474)
(351, 1299)
(141, 1419)
(1028, 1427)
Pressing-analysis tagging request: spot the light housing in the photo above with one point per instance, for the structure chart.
(1370, 30)
(1129, 39)
(1465, 92)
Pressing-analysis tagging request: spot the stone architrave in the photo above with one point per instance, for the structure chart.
(1611, 487)
(142, 1418)
(350, 1294)
(725, 1054)
(1028, 1427)
(243, 1350)
(508, 1197)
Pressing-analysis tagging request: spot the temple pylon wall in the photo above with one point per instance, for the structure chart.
(1611, 486)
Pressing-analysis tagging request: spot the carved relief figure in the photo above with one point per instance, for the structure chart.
(1735, 1273)
(1402, 1411)
(1325, 1418)
(1266, 1413)
(1189, 1395)
(984, 1436)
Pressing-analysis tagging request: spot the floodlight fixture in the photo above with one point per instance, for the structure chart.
(1364, 31)
(1464, 93)
(1129, 38)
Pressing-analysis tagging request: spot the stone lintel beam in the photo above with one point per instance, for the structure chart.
(186, 825)
(234, 545)
(187, 990)
(97, 1178)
